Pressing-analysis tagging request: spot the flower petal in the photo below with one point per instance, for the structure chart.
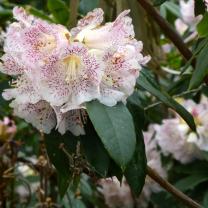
(11, 65)
(122, 69)
(23, 92)
(72, 79)
(91, 20)
(40, 115)
(70, 121)
(118, 32)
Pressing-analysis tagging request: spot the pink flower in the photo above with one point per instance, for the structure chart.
(8, 129)
(120, 51)
(55, 72)
(175, 137)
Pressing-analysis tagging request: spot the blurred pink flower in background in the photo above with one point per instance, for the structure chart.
(175, 137)
(188, 18)
(8, 129)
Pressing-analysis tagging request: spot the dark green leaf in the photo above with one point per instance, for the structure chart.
(39, 13)
(158, 2)
(205, 200)
(95, 151)
(115, 127)
(137, 111)
(145, 81)
(191, 181)
(59, 10)
(199, 7)
(87, 6)
(135, 172)
(201, 69)
(59, 158)
(202, 27)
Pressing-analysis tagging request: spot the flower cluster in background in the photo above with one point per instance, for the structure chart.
(175, 137)
(188, 18)
(8, 129)
(56, 71)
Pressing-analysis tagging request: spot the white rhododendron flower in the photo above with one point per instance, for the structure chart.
(56, 71)
(116, 194)
(119, 50)
(188, 18)
(172, 138)
(175, 137)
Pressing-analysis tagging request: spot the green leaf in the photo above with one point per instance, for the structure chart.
(95, 151)
(173, 8)
(59, 158)
(86, 6)
(59, 10)
(158, 2)
(137, 111)
(115, 170)
(115, 127)
(191, 181)
(135, 172)
(145, 81)
(39, 13)
(202, 26)
(201, 69)
(205, 200)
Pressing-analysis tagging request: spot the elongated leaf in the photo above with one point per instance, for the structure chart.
(173, 8)
(202, 27)
(115, 127)
(59, 159)
(205, 200)
(158, 2)
(59, 10)
(135, 172)
(191, 181)
(145, 81)
(201, 69)
(39, 13)
(95, 151)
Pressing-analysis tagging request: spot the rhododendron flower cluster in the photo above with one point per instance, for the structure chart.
(57, 71)
(7, 129)
(175, 137)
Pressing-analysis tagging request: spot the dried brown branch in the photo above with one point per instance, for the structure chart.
(171, 189)
(167, 29)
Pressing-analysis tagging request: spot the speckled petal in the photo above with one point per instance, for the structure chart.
(40, 115)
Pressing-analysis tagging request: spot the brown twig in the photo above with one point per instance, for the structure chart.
(167, 29)
(171, 189)
(73, 12)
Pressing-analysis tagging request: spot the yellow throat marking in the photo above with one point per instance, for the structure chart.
(72, 66)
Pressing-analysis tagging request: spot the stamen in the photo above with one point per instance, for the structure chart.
(73, 64)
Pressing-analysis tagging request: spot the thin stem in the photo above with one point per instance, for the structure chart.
(171, 189)
(73, 12)
(175, 96)
(167, 29)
